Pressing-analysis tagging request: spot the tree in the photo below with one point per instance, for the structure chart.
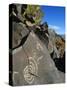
(35, 12)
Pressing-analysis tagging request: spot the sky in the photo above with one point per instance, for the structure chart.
(55, 17)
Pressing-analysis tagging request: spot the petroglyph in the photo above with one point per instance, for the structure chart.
(34, 53)
(27, 76)
(14, 74)
(31, 68)
(39, 47)
(40, 58)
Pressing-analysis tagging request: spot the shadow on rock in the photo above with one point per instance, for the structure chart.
(60, 63)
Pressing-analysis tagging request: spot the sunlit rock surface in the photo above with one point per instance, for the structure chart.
(35, 55)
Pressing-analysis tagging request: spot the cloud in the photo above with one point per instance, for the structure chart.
(57, 29)
(54, 27)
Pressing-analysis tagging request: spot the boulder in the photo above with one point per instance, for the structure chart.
(19, 32)
(32, 64)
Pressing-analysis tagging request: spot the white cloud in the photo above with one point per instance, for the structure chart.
(54, 27)
(57, 29)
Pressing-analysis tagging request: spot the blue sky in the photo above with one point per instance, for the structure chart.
(55, 17)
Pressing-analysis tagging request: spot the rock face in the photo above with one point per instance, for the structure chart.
(58, 50)
(36, 54)
(19, 32)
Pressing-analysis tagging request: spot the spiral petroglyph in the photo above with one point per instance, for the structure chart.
(31, 68)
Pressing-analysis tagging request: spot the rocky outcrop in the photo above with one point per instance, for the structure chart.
(19, 33)
(34, 55)
(36, 50)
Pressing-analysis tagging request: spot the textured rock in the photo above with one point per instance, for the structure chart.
(60, 44)
(42, 66)
(19, 32)
(32, 63)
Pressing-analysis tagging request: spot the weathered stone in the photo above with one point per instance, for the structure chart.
(35, 55)
(19, 32)
(32, 63)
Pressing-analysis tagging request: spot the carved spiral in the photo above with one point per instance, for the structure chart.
(33, 68)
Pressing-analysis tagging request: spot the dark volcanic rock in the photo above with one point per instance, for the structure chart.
(58, 53)
(19, 32)
(35, 54)
(36, 58)
(60, 63)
